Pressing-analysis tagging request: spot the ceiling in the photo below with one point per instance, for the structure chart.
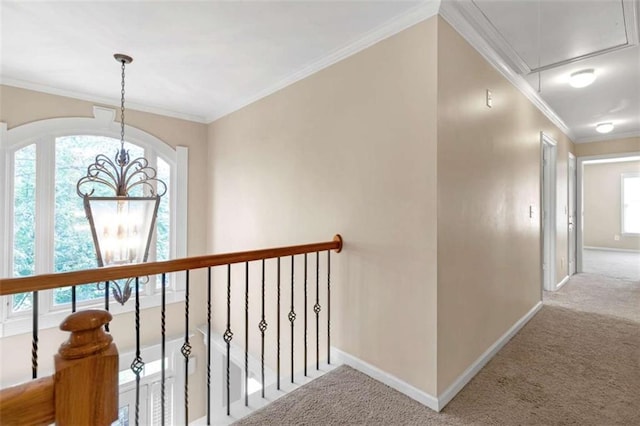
(544, 41)
(202, 60)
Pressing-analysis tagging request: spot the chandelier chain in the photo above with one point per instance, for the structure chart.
(122, 109)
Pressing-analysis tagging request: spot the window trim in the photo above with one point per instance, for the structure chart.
(101, 124)
(622, 178)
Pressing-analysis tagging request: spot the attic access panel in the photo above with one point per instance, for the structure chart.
(544, 34)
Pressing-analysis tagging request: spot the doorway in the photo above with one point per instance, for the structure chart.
(608, 195)
(548, 211)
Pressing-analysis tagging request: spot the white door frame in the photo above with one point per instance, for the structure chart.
(580, 196)
(572, 181)
(548, 213)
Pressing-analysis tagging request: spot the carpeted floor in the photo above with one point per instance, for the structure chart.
(565, 367)
(616, 264)
(599, 295)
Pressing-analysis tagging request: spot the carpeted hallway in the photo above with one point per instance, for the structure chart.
(577, 362)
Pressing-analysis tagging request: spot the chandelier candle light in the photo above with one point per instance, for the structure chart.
(122, 224)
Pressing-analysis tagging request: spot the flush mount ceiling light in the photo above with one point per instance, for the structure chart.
(582, 78)
(604, 127)
(121, 198)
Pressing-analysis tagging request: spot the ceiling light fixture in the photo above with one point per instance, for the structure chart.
(604, 127)
(582, 78)
(121, 224)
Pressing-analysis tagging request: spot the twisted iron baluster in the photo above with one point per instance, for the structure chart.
(209, 345)
(34, 336)
(246, 334)
(106, 301)
(328, 306)
(186, 350)
(263, 327)
(278, 327)
(228, 335)
(292, 316)
(163, 321)
(305, 314)
(137, 365)
(316, 309)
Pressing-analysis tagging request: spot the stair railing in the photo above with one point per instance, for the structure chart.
(48, 401)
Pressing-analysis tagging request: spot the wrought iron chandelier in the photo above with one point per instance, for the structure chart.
(122, 225)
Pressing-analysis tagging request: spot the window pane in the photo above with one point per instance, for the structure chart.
(24, 204)
(73, 246)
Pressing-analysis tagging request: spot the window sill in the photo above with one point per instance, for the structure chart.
(22, 323)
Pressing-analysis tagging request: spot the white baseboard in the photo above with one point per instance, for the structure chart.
(468, 374)
(611, 249)
(563, 282)
(386, 378)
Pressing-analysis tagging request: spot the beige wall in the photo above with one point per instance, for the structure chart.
(351, 149)
(394, 148)
(488, 176)
(614, 146)
(20, 106)
(602, 203)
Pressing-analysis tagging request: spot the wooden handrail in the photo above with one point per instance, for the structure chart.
(110, 273)
(32, 403)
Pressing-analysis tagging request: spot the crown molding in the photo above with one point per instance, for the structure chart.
(97, 99)
(456, 13)
(609, 137)
(417, 14)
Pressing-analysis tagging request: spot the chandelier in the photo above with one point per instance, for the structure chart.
(121, 224)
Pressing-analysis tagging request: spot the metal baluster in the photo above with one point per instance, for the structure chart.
(73, 298)
(278, 328)
(316, 309)
(209, 345)
(246, 334)
(328, 306)
(305, 314)
(186, 350)
(263, 327)
(137, 365)
(106, 301)
(228, 335)
(292, 316)
(34, 336)
(163, 320)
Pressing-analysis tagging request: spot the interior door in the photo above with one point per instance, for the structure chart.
(572, 214)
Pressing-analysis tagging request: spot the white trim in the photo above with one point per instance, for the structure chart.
(549, 232)
(419, 13)
(6, 209)
(13, 82)
(456, 13)
(21, 324)
(181, 197)
(624, 176)
(611, 249)
(474, 368)
(562, 283)
(390, 380)
(608, 137)
(572, 164)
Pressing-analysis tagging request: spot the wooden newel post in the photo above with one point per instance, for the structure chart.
(86, 379)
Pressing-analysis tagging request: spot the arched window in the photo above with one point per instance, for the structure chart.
(44, 225)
